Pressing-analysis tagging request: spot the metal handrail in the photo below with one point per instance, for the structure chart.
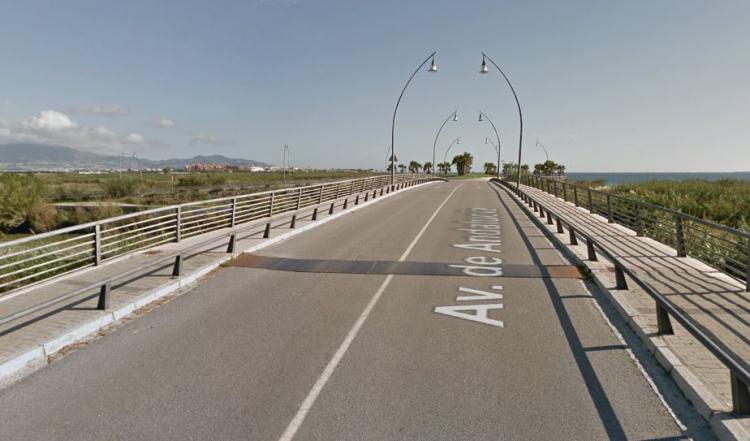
(689, 234)
(187, 219)
(665, 308)
(177, 257)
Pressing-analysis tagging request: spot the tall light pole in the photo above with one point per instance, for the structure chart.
(497, 147)
(445, 156)
(284, 160)
(539, 144)
(483, 70)
(487, 140)
(454, 117)
(433, 68)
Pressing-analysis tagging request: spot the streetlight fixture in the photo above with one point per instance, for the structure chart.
(433, 68)
(483, 70)
(482, 115)
(445, 156)
(453, 116)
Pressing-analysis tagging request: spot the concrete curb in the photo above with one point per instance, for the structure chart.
(725, 425)
(28, 361)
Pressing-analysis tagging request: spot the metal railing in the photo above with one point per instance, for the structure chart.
(739, 374)
(102, 288)
(724, 248)
(34, 259)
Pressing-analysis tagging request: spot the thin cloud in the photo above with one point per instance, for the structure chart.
(101, 110)
(203, 138)
(166, 123)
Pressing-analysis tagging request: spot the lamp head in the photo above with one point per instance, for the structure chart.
(455, 116)
(480, 117)
(458, 140)
(483, 69)
(433, 66)
(486, 140)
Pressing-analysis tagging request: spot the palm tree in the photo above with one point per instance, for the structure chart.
(463, 163)
(401, 168)
(489, 168)
(414, 166)
(427, 167)
(444, 167)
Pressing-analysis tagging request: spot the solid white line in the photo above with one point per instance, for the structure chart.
(320, 383)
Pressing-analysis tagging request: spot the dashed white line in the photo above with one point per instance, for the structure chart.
(320, 383)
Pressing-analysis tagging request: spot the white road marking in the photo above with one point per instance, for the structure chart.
(320, 383)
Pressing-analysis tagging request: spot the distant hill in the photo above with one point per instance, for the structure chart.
(40, 157)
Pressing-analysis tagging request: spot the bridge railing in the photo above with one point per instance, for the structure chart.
(724, 248)
(37, 258)
(739, 374)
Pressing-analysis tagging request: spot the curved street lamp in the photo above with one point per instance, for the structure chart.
(445, 156)
(497, 147)
(539, 144)
(483, 70)
(454, 117)
(433, 68)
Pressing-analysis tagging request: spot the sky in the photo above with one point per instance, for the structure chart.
(658, 85)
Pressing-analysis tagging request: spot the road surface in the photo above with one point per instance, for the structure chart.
(321, 347)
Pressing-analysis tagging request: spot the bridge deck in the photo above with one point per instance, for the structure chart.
(717, 303)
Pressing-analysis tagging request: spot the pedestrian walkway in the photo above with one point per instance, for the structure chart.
(28, 341)
(717, 303)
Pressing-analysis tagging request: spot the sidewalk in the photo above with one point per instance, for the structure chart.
(27, 343)
(716, 302)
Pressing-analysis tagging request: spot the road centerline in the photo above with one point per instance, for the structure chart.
(320, 383)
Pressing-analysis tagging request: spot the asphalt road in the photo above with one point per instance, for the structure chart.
(265, 354)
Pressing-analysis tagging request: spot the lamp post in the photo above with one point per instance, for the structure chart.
(284, 160)
(445, 156)
(539, 144)
(487, 140)
(483, 70)
(497, 147)
(433, 68)
(454, 117)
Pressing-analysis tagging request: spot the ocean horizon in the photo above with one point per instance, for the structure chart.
(626, 177)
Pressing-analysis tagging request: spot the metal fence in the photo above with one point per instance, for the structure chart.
(37, 258)
(724, 248)
(739, 375)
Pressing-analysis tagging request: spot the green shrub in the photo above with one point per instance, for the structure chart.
(120, 188)
(191, 180)
(216, 179)
(20, 195)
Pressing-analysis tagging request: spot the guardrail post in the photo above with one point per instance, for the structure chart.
(575, 195)
(315, 214)
(234, 211)
(638, 221)
(337, 190)
(178, 226)
(620, 281)
(572, 231)
(680, 236)
(177, 268)
(541, 211)
(565, 192)
(555, 186)
(270, 206)
(549, 217)
(367, 196)
(381, 191)
(267, 231)
(299, 198)
(663, 323)
(320, 195)
(293, 223)
(230, 246)
(97, 244)
(610, 219)
(591, 251)
(591, 201)
(346, 203)
(330, 210)
(103, 303)
(356, 200)
(559, 226)
(740, 395)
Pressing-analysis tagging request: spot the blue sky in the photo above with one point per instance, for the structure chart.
(658, 85)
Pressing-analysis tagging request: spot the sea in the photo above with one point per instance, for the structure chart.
(619, 178)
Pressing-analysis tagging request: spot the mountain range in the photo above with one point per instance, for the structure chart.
(41, 157)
